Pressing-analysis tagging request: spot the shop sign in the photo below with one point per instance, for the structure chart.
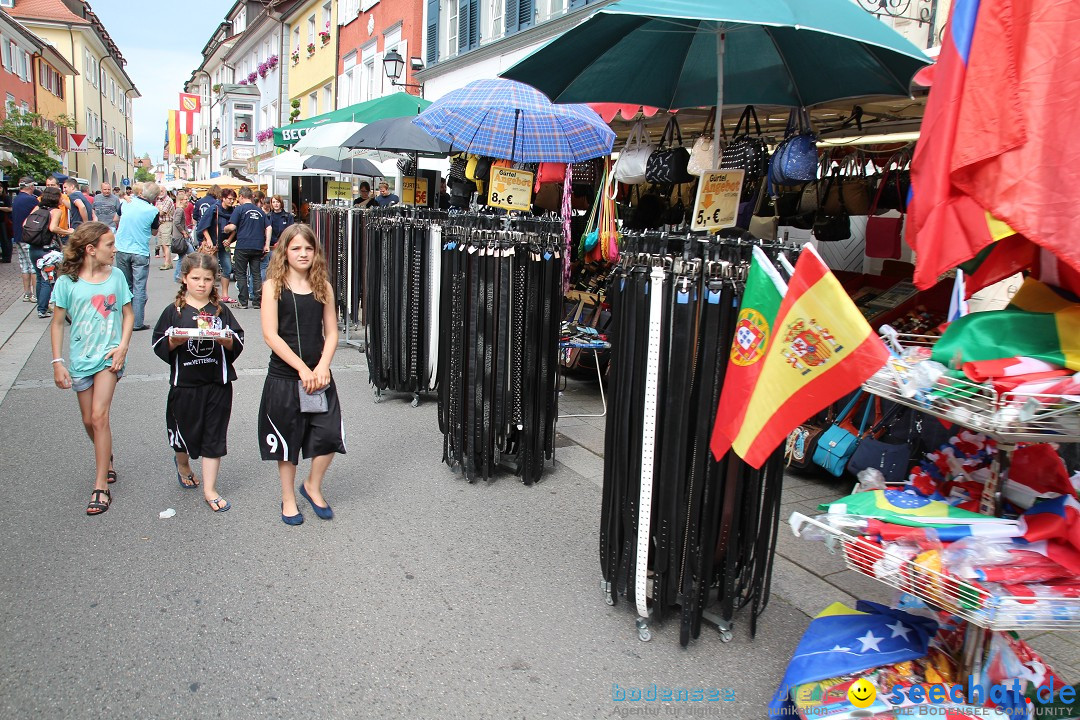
(510, 189)
(337, 190)
(717, 203)
(411, 186)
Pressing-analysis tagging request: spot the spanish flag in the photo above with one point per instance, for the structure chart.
(821, 349)
(754, 328)
(179, 129)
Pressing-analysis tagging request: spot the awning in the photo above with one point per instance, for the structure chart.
(397, 105)
(286, 164)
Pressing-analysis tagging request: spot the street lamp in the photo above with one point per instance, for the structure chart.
(216, 136)
(393, 64)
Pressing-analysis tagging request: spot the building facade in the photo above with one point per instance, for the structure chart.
(99, 101)
(369, 30)
(17, 50)
(312, 62)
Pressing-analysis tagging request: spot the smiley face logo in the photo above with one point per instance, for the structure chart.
(862, 693)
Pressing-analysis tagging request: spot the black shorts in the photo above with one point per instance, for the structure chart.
(284, 431)
(197, 419)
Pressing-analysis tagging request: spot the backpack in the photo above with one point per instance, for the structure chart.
(36, 228)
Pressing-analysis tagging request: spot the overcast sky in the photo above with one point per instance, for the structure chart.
(161, 43)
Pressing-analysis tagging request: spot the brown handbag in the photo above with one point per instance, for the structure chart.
(847, 189)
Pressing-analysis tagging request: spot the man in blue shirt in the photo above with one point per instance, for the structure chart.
(200, 206)
(212, 237)
(252, 241)
(81, 209)
(133, 231)
(22, 205)
(385, 197)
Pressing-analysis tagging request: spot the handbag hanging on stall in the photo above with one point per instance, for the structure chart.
(747, 152)
(838, 443)
(667, 164)
(849, 188)
(829, 226)
(883, 234)
(630, 167)
(895, 193)
(892, 459)
(701, 155)
(795, 160)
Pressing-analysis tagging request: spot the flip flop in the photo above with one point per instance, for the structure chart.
(180, 478)
(217, 502)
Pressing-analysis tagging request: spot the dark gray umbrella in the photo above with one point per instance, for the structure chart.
(350, 166)
(397, 135)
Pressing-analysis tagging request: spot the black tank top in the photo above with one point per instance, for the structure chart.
(308, 315)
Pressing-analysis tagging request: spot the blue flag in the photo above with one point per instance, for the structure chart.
(841, 641)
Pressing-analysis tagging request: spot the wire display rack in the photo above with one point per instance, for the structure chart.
(942, 590)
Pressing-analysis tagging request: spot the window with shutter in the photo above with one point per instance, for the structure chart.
(432, 30)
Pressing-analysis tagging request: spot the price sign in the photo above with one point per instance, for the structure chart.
(717, 202)
(414, 188)
(510, 189)
(337, 190)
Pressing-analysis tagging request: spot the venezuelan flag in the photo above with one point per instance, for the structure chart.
(821, 349)
(1039, 323)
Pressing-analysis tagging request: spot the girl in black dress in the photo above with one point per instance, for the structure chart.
(299, 410)
(200, 375)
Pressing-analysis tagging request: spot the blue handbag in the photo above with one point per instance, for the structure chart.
(837, 444)
(796, 158)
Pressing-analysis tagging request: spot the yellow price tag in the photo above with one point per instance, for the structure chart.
(510, 189)
(337, 190)
(409, 190)
(717, 202)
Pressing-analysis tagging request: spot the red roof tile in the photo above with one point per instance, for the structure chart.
(45, 10)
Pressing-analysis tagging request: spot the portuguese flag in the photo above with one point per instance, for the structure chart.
(753, 330)
(1039, 323)
(821, 349)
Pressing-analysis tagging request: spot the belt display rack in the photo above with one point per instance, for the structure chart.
(499, 343)
(340, 230)
(402, 258)
(680, 532)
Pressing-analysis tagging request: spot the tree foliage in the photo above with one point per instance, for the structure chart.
(143, 175)
(26, 128)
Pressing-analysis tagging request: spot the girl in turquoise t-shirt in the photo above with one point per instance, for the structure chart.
(96, 297)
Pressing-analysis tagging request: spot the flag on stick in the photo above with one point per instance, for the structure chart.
(821, 349)
(753, 330)
(190, 102)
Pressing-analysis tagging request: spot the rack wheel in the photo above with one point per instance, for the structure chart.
(725, 635)
(416, 401)
(643, 630)
(377, 393)
(609, 599)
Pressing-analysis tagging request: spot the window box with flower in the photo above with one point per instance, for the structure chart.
(272, 62)
(242, 82)
(263, 69)
(296, 55)
(251, 77)
(324, 34)
(310, 49)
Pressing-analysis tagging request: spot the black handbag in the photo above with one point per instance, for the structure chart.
(457, 169)
(747, 152)
(668, 162)
(585, 173)
(832, 228)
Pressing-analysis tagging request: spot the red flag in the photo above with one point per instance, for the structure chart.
(190, 102)
(993, 136)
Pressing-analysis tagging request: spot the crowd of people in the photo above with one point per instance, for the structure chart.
(85, 262)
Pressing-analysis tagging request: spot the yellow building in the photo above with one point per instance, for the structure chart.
(99, 98)
(312, 59)
(53, 79)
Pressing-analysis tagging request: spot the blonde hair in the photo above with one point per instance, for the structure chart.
(197, 261)
(89, 233)
(277, 270)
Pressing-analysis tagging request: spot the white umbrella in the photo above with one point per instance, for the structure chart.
(329, 141)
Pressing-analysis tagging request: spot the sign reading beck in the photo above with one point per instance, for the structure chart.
(717, 203)
(510, 189)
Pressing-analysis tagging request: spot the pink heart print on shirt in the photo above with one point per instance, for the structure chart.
(104, 305)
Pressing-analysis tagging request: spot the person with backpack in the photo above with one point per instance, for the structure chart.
(252, 230)
(40, 231)
(22, 205)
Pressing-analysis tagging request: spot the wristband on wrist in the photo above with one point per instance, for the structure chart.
(58, 360)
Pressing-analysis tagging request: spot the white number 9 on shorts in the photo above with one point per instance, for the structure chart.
(271, 442)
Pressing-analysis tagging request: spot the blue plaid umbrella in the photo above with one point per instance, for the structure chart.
(510, 120)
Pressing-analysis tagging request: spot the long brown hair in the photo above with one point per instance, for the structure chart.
(278, 268)
(197, 261)
(89, 233)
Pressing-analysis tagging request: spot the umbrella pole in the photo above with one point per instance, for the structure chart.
(719, 91)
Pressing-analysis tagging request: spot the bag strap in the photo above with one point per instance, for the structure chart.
(709, 130)
(866, 416)
(757, 125)
(848, 408)
(676, 130)
(880, 189)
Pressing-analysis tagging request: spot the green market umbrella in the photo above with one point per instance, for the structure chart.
(672, 54)
(396, 105)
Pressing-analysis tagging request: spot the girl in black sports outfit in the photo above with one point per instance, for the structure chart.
(299, 323)
(200, 376)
